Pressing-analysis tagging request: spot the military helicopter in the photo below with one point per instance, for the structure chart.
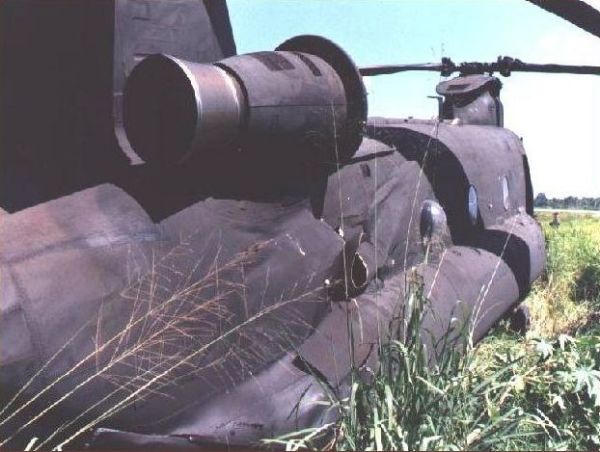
(259, 249)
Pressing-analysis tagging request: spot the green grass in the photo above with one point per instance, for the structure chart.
(567, 297)
(533, 392)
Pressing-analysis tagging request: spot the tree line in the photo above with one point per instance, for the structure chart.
(570, 202)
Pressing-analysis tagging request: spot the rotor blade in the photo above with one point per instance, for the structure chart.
(394, 68)
(575, 11)
(505, 66)
(555, 68)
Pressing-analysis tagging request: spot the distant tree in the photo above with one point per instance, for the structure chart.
(540, 200)
(570, 202)
(556, 203)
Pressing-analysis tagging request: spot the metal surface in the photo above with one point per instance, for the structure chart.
(577, 12)
(351, 130)
(504, 65)
(220, 300)
(73, 139)
(472, 99)
(109, 253)
(293, 100)
(191, 30)
(172, 108)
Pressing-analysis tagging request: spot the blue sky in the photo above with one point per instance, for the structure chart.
(557, 115)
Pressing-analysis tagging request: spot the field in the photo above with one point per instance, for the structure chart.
(533, 391)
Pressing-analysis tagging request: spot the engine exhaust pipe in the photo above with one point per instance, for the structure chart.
(306, 93)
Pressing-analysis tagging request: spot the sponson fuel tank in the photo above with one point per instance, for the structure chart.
(307, 94)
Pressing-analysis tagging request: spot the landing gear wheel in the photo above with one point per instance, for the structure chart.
(520, 319)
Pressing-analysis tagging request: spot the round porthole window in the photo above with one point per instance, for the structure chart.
(472, 205)
(505, 194)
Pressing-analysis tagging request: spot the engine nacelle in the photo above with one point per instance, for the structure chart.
(307, 94)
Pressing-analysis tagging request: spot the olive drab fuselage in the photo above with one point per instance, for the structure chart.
(190, 236)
